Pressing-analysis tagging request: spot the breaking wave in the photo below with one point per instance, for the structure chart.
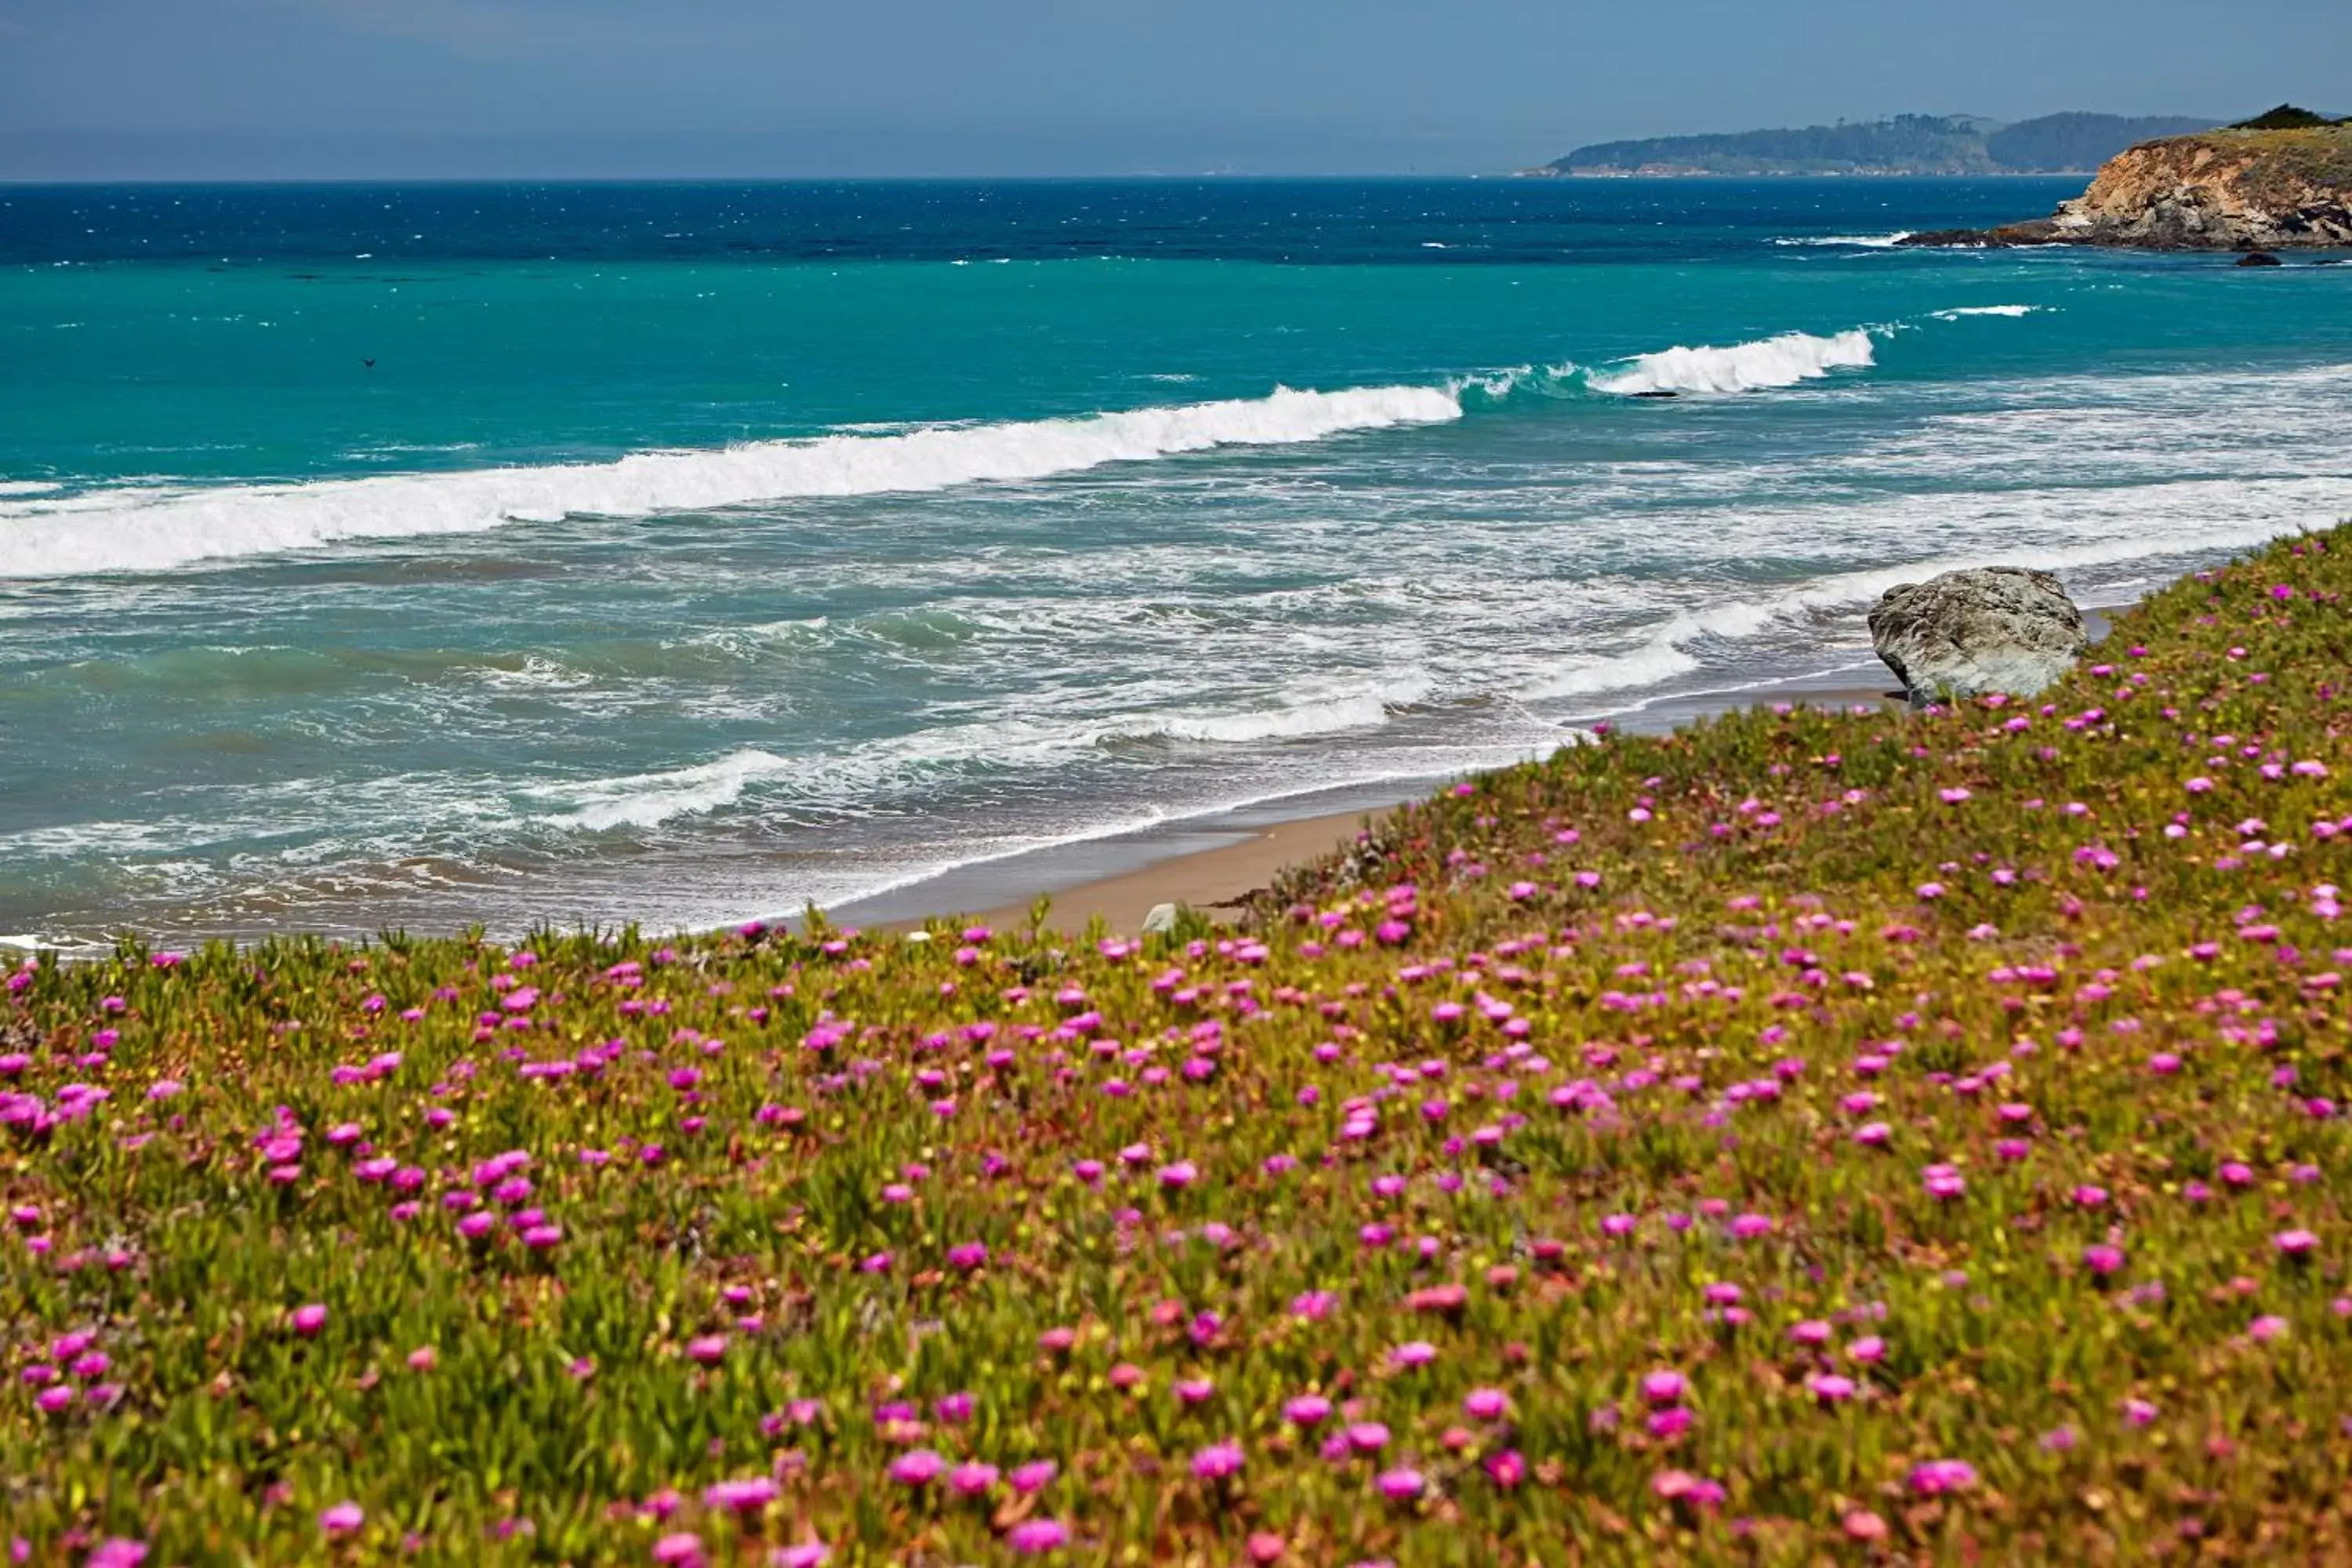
(155, 529)
(1783, 361)
(1851, 241)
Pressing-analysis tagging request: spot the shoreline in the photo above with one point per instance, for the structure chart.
(1212, 861)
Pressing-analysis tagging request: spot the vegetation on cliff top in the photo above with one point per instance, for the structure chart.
(2318, 156)
(2287, 117)
(1809, 1134)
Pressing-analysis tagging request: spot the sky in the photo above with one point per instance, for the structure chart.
(312, 89)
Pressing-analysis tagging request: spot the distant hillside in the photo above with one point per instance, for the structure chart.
(1906, 145)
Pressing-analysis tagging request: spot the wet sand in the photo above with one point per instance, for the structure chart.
(1210, 863)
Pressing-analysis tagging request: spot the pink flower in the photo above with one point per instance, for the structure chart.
(342, 1518)
(1665, 1387)
(1308, 1410)
(679, 1548)
(1368, 1437)
(2294, 1243)
(309, 1320)
(1935, 1478)
(2139, 1412)
(972, 1479)
(1681, 1485)
(1861, 1524)
(2267, 1328)
(1830, 1388)
(1506, 1469)
(1400, 1485)
(708, 1349)
(1218, 1461)
(1413, 1353)
(1033, 1476)
(1034, 1536)
(2101, 1259)
(1485, 1403)
(742, 1497)
(1181, 1174)
(917, 1467)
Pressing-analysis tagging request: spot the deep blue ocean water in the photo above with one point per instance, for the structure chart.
(417, 555)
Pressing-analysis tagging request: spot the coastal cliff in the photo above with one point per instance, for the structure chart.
(2237, 189)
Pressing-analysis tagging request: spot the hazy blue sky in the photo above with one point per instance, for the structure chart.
(788, 86)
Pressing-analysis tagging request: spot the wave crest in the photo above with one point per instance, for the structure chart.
(1964, 311)
(1782, 360)
(151, 531)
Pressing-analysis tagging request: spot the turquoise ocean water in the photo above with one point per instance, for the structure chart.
(691, 552)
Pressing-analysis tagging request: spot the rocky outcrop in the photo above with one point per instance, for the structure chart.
(2217, 189)
(1989, 629)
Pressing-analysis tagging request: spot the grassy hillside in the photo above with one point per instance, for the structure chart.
(1811, 1136)
(2319, 154)
(1905, 143)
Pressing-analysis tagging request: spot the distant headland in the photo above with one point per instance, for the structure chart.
(1912, 144)
(2280, 181)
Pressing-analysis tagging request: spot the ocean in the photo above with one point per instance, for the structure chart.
(418, 556)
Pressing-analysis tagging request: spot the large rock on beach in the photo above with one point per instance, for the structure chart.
(1989, 629)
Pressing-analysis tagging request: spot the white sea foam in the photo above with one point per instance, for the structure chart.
(1660, 657)
(146, 531)
(1851, 241)
(1783, 361)
(648, 800)
(27, 488)
(1966, 310)
(534, 673)
(1326, 713)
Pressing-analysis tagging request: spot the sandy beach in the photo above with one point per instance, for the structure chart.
(1211, 863)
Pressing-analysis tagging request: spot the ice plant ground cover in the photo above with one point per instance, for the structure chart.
(1809, 1135)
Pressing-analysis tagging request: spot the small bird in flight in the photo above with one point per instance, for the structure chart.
(368, 363)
